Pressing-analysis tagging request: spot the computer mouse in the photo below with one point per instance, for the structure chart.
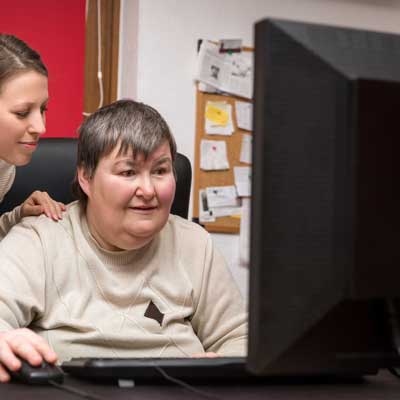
(38, 375)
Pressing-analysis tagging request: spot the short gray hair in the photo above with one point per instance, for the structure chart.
(17, 56)
(125, 123)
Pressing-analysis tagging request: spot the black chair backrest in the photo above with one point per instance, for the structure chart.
(183, 169)
(52, 169)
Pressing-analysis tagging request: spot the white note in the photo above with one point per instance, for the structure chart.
(246, 149)
(244, 115)
(222, 196)
(213, 155)
(243, 180)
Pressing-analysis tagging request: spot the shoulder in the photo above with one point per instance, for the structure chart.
(42, 234)
(47, 226)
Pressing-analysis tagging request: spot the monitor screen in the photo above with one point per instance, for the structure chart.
(325, 219)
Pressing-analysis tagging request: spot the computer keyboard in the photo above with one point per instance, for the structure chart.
(192, 369)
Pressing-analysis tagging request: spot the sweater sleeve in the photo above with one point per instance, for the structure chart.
(220, 319)
(8, 220)
(22, 283)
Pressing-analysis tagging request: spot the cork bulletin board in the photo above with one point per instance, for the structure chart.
(202, 178)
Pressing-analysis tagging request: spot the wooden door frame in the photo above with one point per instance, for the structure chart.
(110, 20)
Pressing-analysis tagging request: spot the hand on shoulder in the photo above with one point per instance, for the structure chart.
(41, 203)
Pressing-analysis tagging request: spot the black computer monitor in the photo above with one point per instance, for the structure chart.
(325, 220)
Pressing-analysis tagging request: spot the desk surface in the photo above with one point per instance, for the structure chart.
(381, 387)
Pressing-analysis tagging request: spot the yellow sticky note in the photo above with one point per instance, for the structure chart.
(217, 115)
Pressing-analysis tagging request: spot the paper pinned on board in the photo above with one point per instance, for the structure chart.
(222, 196)
(231, 73)
(213, 155)
(216, 112)
(246, 149)
(223, 201)
(243, 180)
(218, 118)
(244, 115)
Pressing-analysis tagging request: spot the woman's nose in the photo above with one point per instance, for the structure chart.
(37, 123)
(146, 187)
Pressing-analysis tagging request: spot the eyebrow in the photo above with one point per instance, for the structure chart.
(128, 161)
(164, 159)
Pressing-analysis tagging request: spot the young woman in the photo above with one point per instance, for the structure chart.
(23, 105)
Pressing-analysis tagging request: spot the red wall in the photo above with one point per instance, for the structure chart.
(56, 29)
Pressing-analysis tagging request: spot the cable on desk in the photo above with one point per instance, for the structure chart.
(78, 392)
(186, 385)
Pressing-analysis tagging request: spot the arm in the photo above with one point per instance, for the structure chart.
(22, 299)
(8, 220)
(37, 203)
(220, 319)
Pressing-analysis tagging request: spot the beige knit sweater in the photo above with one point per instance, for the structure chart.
(9, 219)
(174, 297)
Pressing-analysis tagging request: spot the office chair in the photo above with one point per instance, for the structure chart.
(52, 169)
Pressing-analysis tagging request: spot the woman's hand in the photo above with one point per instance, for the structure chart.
(22, 343)
(41, 203)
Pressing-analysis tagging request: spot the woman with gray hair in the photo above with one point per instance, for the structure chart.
(23, 104)
(119, 276)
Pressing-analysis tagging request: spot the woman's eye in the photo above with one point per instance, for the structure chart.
(161, 171)
(43, 110)
(129, 172)
(21, 114)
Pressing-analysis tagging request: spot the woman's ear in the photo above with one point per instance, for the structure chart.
(84, 180)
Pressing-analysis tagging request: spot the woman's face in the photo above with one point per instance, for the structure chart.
(23, 101)
(129, 199)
